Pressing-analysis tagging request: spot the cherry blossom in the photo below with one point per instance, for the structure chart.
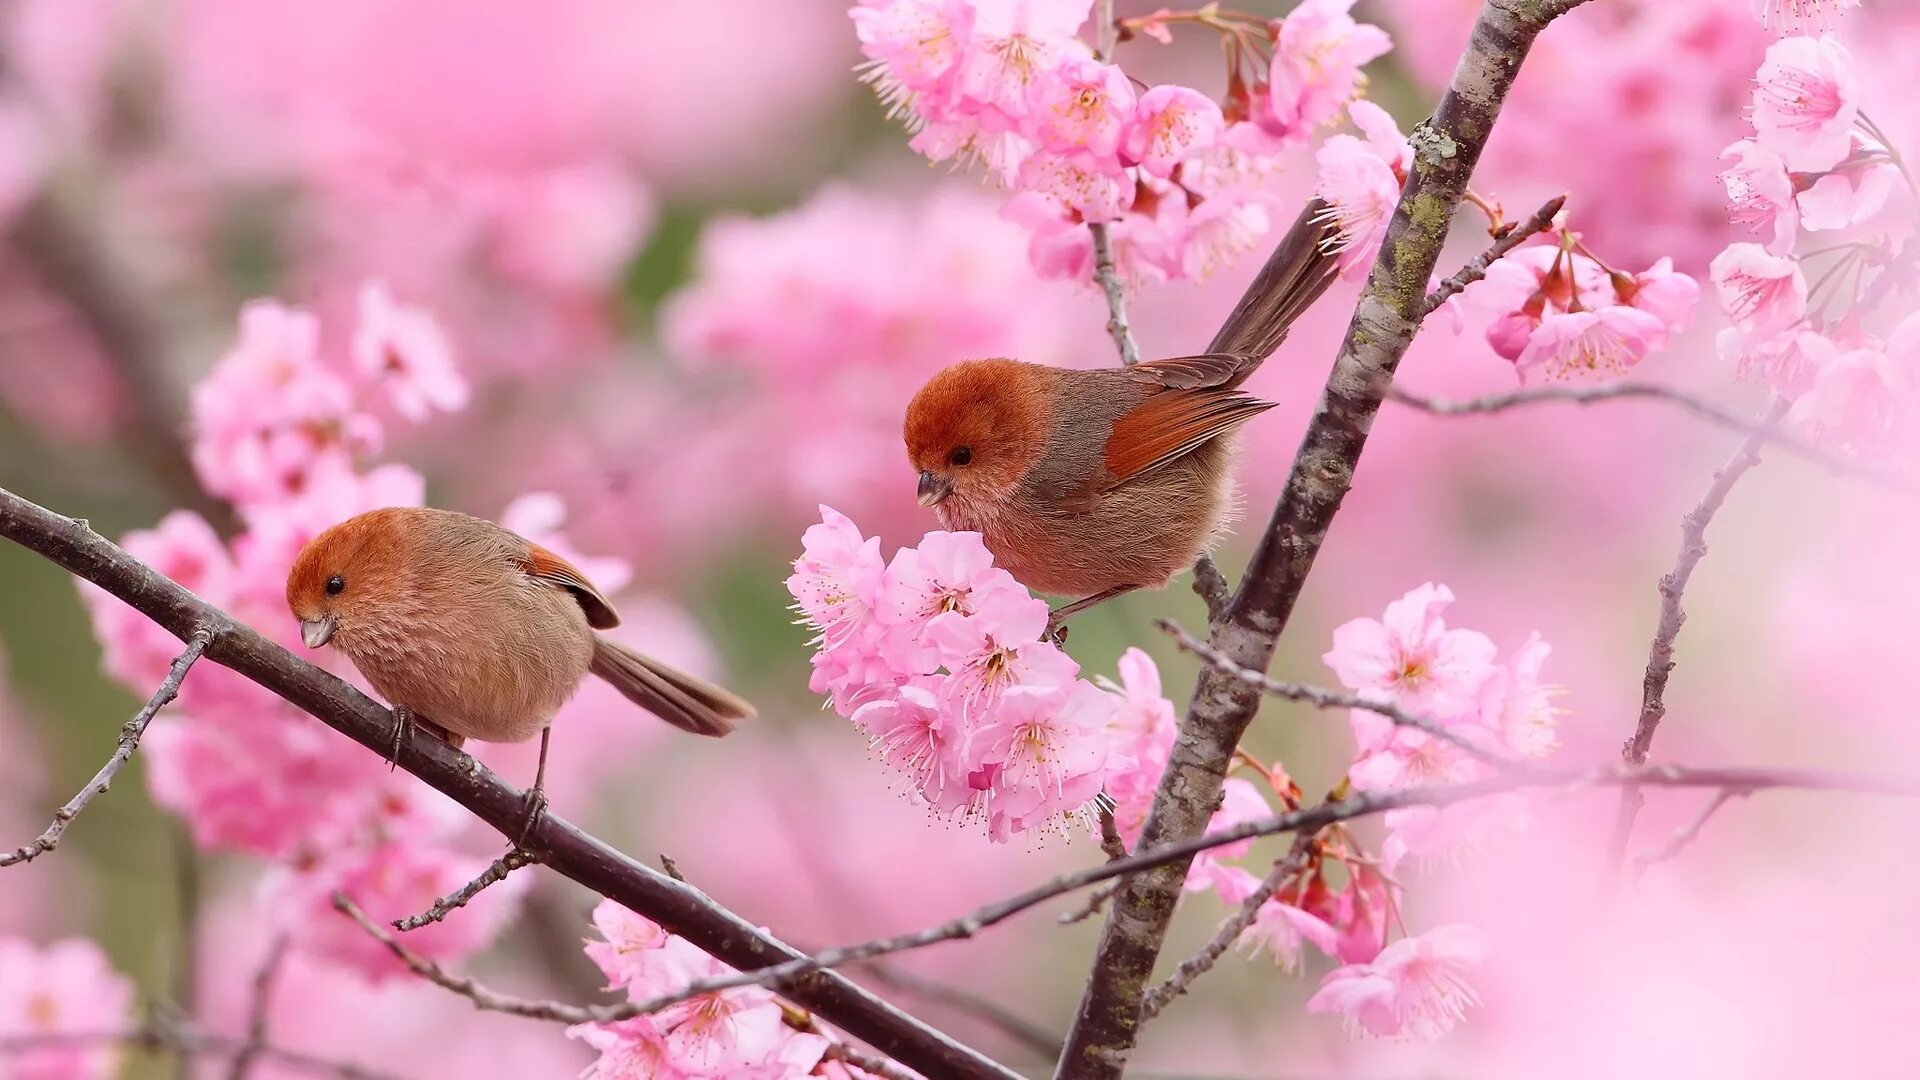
(1805, 102)
(67, 987)
(1170, 124)
(404, 350)
(1410, 656)
(1760, 292)
(1316, 66)
(1417, 987)
(1760, 194)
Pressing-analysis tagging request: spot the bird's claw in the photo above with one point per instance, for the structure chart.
(536, 809)
(402, 731)
(1056, 630)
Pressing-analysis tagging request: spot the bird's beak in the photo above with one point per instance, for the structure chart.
(933, 488)
(317, 632)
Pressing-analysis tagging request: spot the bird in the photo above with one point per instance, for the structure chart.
(1094, 483)
(478, 632)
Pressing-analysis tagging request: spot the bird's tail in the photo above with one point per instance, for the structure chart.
(674, 696)
(1299, 270)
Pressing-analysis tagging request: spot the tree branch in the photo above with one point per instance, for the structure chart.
(1688, 833)
(189, 1040)
(1541, 220)
(679, 908)
(1773, 434)
(1104, 273)
(1229, 930)
(1313, 818)
(197, 641)
(1391, 307)
(445, 906)
(260, 1010)
(1673, 586)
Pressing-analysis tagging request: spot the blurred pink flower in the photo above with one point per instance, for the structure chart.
(402, 350)
(1801, 16)
(1760, 194)
(66, 987)
(1316, 66)
(1760, 292)
(1806, 101)
(1416, 987)
(1786, 361)
(1279, 929)
(1411, 658)
(1589, 345)
(1848, 196)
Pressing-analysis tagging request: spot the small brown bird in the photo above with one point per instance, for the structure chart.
(1095, 483)
(477, 631)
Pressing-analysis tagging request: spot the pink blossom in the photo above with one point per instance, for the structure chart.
(1240, 802)
(1047, 747)
(185, 548)
(1660, 291)
(626, 946)
(1517, 707)
(1787, 361)
(1219, 230)
(1585, 345)
(1087, 186)
(836, 579)
(572, 229)
(1082, 107)
(1141, 734)
(1412, 658)
(1801, 16)
(1170, 123)
(944, 572)
(994, 650)
(66, 987)
(1760, 292)
(1416, 986)
(404, 350)
(1805, 102)
(1279, 929)
(1860, 398)
(915, 735)
(23, 157)
(1848, 196)
(1316, 66)
(1015, 44)
(1760, 194)
(913, 44)
(1361, 192)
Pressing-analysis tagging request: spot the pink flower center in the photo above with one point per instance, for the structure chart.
(1802, 99)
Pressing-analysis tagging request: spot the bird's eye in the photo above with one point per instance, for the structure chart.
(336, 585)
(962, 455)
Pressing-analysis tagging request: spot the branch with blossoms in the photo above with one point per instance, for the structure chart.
(562, 847)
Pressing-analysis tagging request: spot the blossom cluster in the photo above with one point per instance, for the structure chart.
(283, 427)
(939, 657)
(1181, 177)
(1415, 986)
(1815, 163)
(67, 988)
(742, 1032)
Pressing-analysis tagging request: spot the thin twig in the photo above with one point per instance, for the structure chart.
(482, 997)
(1361, 804)
(1540, 222)
(186, 1039)
(1110, 842)
(873, 1063)
(1321, 698)
(1103, 269)
(681, 909)
(130, 733)
(1673, 586)
(259, 1009)
(1688, 833)
(1211, 586)
(1772, 433)
(498, 871)
(1229, 930)
(1096, 903)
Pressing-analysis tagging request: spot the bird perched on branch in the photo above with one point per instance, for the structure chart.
(1095, 483)
(477, 631)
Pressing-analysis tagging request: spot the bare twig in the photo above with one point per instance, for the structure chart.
(1362, 804)
(1445, 151)
(1673, 586)
(1688, 833)
(260, 1010)
(482, 997)
(1229, 930)
(130, 732)
(1321, 698)
(498, 871)
(1541, 220)
(1104, 272)
(1211, 586)
(873, 1063)
(1715, 413)
(186, 1039)
(680, 908)
(1096, 903)
(1110, 842)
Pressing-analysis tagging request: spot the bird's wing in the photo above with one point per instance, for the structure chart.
(1174, 422)
(543, 565)
(1194, 372)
